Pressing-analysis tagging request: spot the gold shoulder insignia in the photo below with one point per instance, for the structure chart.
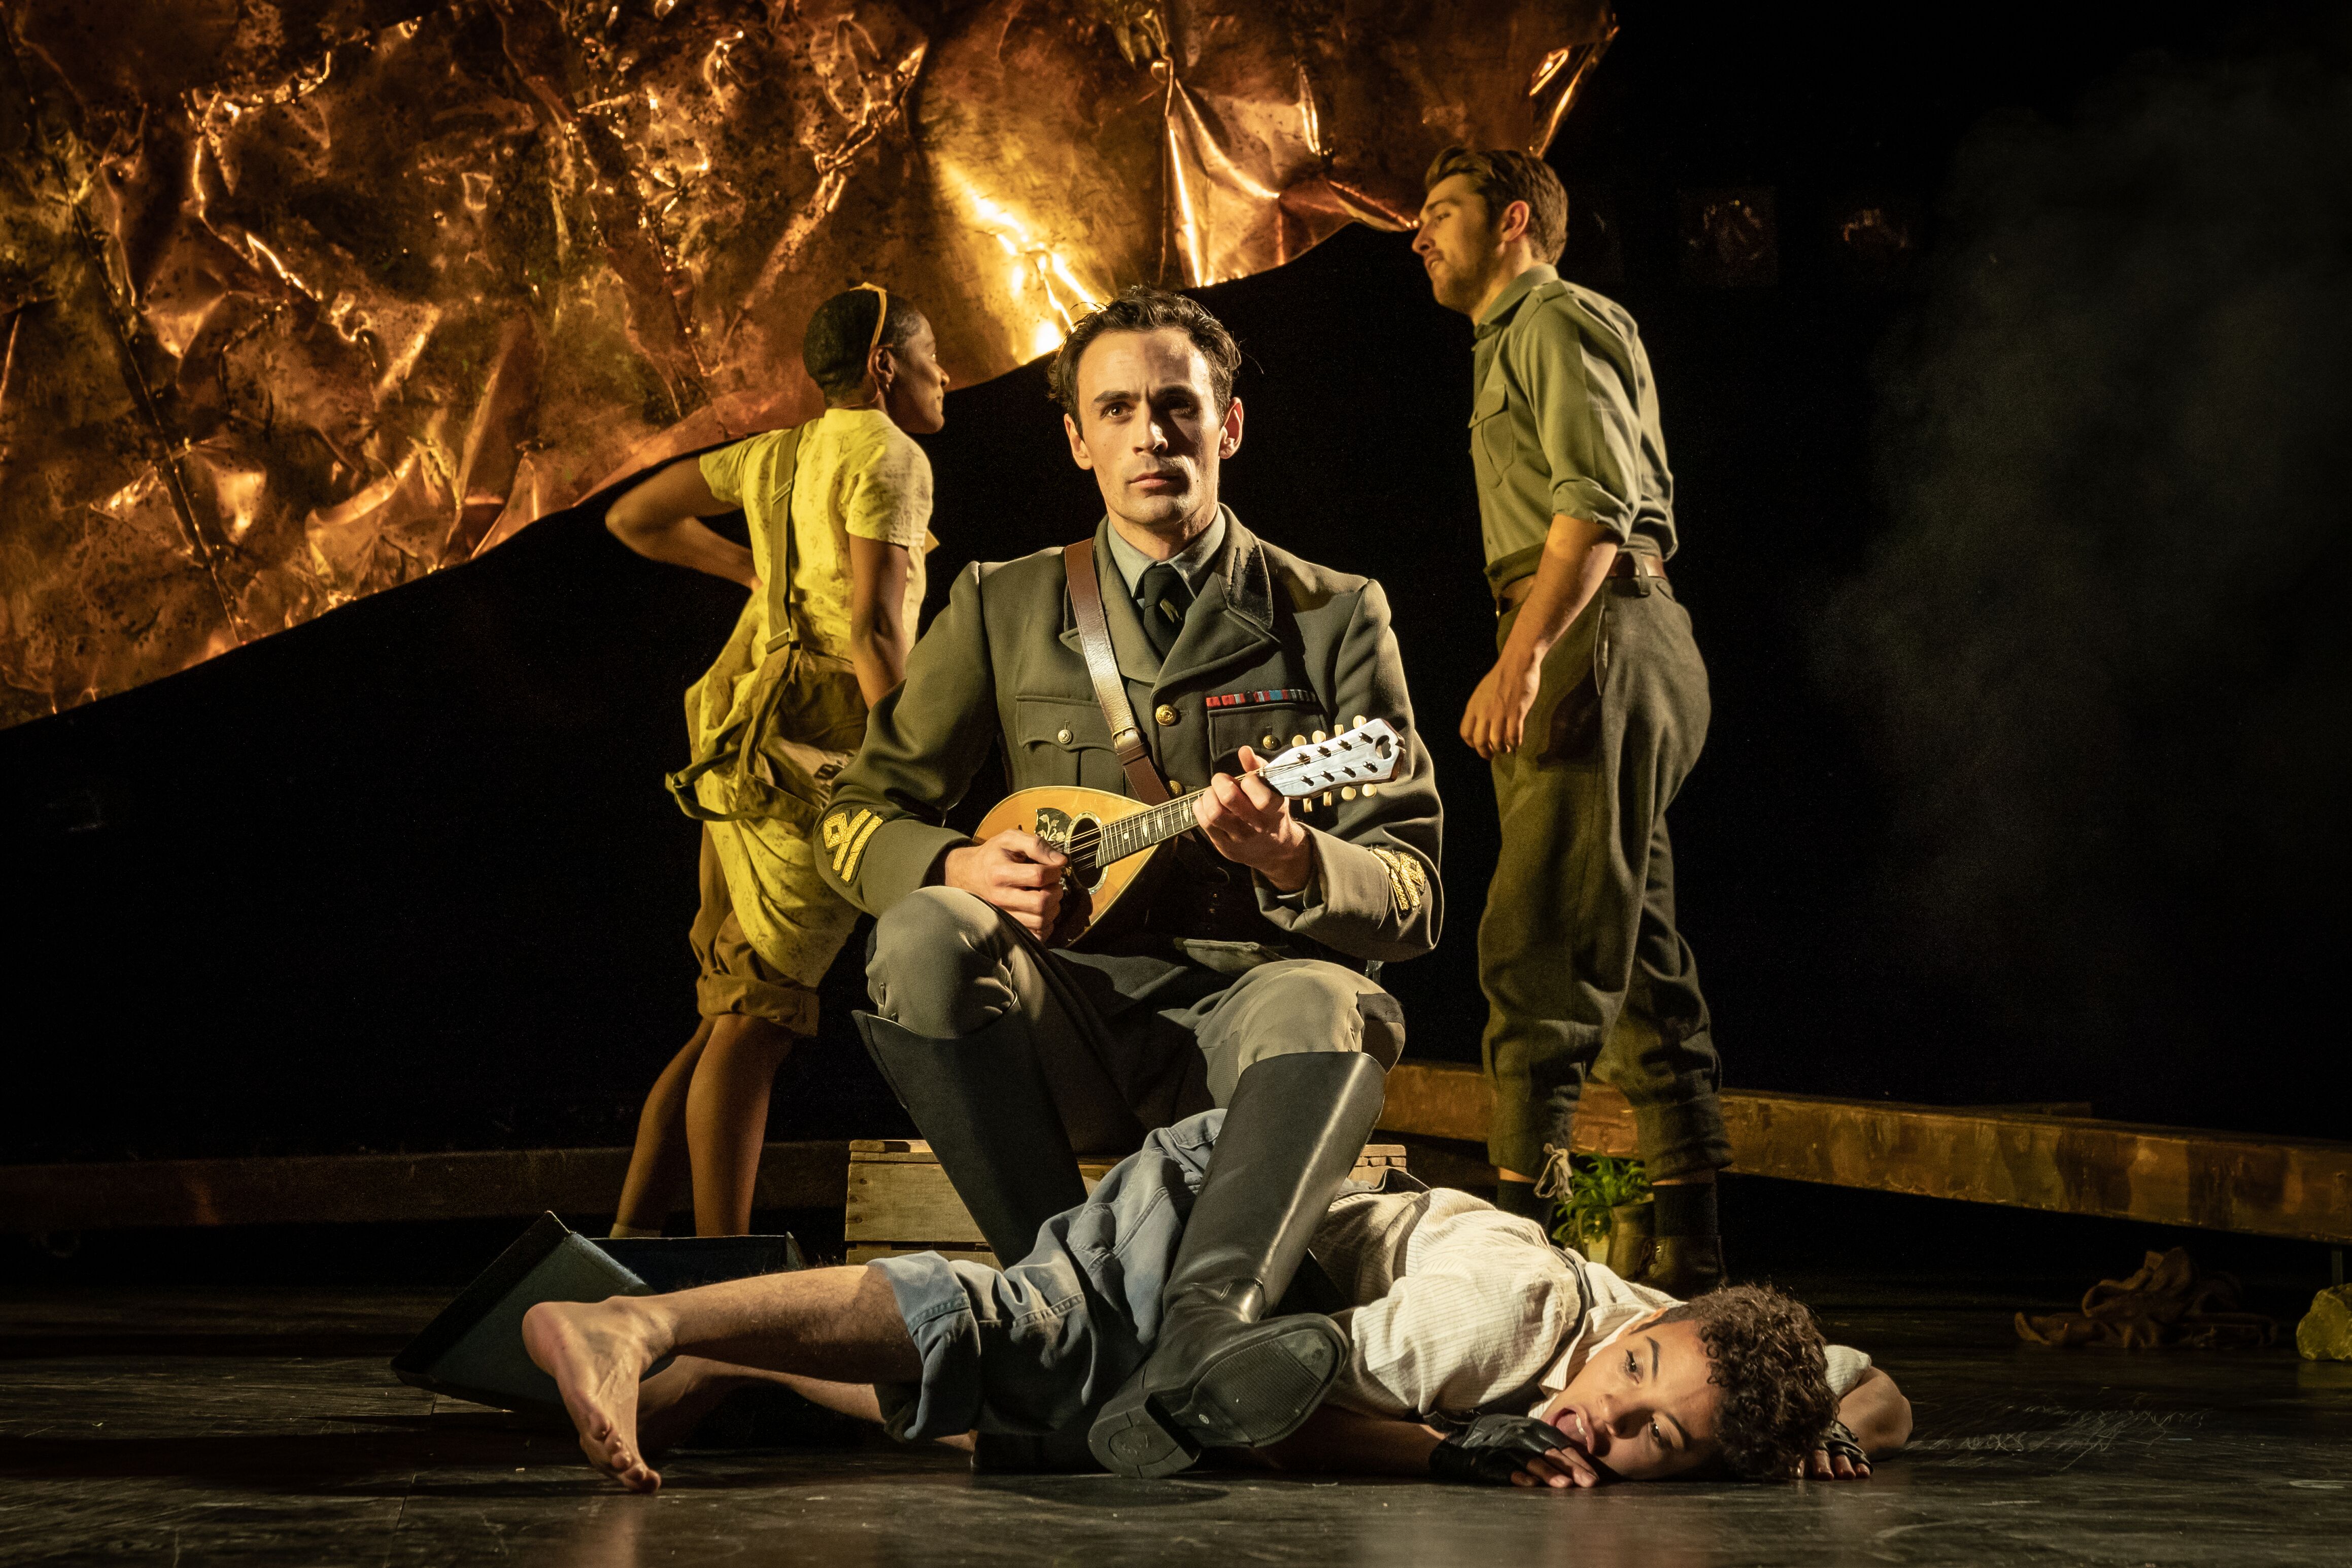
(1408, 883)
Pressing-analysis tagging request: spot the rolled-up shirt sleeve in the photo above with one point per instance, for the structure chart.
(1586, 418)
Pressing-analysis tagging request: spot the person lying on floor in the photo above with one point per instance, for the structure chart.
(1473, 1350)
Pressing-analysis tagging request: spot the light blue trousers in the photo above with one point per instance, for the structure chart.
(1042, 1344)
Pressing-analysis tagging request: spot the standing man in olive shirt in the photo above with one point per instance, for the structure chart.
(1592, 715)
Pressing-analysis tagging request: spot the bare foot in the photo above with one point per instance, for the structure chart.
(596, 1354)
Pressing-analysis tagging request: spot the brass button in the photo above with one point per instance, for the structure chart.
(1265, 742)
(1166, 714)
(1062, 736)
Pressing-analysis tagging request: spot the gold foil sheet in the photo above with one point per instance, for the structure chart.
(301, 300)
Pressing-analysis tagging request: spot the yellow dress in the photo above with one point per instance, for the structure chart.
(779, 712)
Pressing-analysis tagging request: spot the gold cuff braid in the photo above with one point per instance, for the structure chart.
(1408, 883)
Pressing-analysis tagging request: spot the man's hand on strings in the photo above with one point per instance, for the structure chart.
(1247, 821)
(1018, 872)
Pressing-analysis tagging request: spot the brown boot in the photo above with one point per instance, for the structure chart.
(1684, 1266)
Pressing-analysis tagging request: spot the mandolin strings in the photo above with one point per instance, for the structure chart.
(1132, 835)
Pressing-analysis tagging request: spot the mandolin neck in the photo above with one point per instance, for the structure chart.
(1364, 756)
(1153, 824)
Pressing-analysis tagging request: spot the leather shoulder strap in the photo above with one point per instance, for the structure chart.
(1102, 669)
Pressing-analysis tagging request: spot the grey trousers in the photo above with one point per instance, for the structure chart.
(945, 964)
(1584, 971)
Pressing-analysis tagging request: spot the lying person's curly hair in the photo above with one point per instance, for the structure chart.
(1766, 1354)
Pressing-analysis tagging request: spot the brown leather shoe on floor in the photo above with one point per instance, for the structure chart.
(1684, 1266)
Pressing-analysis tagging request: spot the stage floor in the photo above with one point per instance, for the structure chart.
(192, 1427)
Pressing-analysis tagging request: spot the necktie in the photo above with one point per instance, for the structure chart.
(1166, 598)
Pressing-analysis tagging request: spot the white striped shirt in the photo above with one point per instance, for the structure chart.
(1466, 1309)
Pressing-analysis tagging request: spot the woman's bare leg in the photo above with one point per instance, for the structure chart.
(659, 1171)
(727, 1118)
(838, 1325)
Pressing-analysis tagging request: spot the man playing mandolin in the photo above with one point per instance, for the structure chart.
(1175, 648)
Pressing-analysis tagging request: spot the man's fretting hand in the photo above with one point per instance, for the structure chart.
(1247, 821)
(1018, 872)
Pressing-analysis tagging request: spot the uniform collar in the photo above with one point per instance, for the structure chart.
(1233, 609)
(1232, 616)
(1192, 562)
(1498, 315)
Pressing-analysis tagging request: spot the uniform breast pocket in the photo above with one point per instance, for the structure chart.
(1493, 444)
(1061, 741)
(1265, 729)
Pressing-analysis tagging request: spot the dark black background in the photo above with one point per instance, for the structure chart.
(405, 878)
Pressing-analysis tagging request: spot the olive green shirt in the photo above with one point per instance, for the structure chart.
(1565, 423)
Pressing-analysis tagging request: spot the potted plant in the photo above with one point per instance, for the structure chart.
(1605, 1211)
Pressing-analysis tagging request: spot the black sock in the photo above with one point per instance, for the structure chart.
(1520, 1198)
(1686, 1209)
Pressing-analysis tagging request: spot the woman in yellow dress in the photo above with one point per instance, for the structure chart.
(839, 513)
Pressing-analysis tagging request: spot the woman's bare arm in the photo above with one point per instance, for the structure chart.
(661, 519)
(881, 631)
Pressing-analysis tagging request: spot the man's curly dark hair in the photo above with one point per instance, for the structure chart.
(1766, 1353)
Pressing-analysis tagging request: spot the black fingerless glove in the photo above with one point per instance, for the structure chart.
(1840, 1441)
(1490, 1449)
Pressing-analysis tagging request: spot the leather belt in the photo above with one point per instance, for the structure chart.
(1629, 563)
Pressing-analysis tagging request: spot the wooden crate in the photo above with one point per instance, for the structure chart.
(901, 1201)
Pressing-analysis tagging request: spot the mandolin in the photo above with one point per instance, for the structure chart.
(1110, 838)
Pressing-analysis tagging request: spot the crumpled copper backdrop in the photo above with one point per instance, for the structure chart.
(300, 301)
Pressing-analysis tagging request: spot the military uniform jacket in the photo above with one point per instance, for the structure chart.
(1273, 648)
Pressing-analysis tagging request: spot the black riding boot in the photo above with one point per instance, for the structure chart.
(982, 1101)
(1217, 1375)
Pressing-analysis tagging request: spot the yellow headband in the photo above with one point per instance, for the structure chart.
(881, 315)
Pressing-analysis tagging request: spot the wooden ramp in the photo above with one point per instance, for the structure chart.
(2025, 1156)
(2037, 1157)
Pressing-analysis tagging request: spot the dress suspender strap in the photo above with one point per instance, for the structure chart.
(1102, 669)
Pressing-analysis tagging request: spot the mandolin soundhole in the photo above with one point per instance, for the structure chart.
(1062, 831)
(1085, 873)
